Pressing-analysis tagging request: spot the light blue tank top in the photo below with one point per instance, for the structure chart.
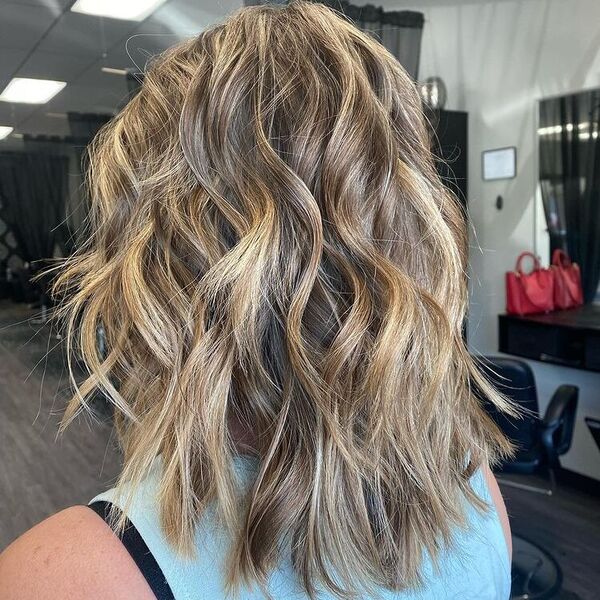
(476, 568)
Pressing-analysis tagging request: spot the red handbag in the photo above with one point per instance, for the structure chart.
(568, 292)
(529, 293)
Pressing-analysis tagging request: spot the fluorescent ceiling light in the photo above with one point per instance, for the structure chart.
(130, 10)
(5, 131)
(113, 71)
(31, 91)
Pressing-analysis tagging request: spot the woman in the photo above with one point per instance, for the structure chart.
(280, 276)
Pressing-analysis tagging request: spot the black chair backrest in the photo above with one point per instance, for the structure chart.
(514, 379)
(559, 420)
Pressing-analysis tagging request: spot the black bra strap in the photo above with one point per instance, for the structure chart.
(140, 553)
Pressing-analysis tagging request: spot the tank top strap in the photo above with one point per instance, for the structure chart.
(138, 550)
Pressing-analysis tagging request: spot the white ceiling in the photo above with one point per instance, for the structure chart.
(44, 39)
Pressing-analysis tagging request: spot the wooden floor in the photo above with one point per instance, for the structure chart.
(40, 475)
(567, 525)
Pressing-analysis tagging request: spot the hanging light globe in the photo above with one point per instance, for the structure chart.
(433, 92)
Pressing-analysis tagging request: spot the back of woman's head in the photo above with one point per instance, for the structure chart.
(271, 247)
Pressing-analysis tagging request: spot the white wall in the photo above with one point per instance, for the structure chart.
(498, 58)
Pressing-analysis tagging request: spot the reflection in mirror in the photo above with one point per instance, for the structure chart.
(569, 146)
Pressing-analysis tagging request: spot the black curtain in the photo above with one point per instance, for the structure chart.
(83, 126)
(569, 142)
(34, 189)
(63, 148)
(399, 31)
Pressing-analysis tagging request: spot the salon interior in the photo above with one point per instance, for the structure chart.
(511, 89)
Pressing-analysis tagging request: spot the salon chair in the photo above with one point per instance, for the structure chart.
(539, 442)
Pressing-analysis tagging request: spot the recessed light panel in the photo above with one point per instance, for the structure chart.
(130, 10)
(5, 131)
(31, 91)
(112, 71)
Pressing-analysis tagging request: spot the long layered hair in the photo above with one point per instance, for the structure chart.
(270, 245)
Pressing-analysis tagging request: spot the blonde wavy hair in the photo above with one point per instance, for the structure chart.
(272, 250)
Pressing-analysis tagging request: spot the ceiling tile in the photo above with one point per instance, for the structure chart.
(22, 25)
(56, 6)
(12, 114)
(84, 35)
(133, 55)
(10, 59)
(89, 99)
(94, 76)
(141, 48)
(41, 124)
(47, 65)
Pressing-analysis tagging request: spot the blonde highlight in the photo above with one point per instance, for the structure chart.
(270, 245)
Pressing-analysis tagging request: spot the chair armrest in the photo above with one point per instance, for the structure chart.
(558, 423)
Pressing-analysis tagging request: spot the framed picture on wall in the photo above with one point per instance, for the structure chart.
(499, 163)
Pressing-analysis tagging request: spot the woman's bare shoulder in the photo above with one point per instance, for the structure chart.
(71, 555)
